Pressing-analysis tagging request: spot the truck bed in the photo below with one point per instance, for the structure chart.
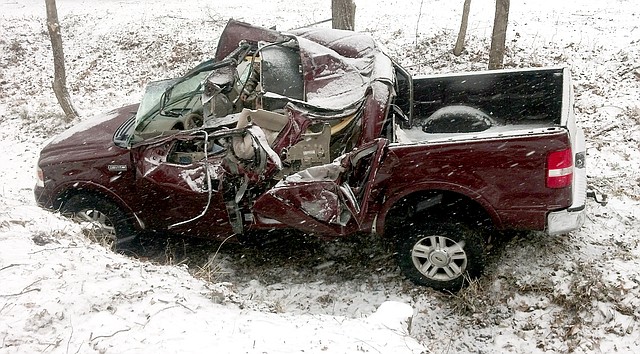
(517, 101)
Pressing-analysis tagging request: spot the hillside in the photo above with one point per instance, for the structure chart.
(61, 293)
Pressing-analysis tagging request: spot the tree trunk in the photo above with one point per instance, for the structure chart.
(343, 13)
(463, 28)
(60, 76)
(499, 36)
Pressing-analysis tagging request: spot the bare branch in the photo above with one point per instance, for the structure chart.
(24, 290)
(70, 335)
(418, 21)
(54, 248)
(10, 265)
(91, 339)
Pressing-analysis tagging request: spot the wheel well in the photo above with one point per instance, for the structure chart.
(438, 206)
(69, 193)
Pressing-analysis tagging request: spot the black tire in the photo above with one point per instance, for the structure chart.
(441, 255)
(111, 226)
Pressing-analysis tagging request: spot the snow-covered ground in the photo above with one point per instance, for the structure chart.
(60, 293)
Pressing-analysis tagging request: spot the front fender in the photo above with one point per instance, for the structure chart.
(64, 191)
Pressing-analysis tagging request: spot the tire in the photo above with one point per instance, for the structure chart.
(443, 256)
(108, 224)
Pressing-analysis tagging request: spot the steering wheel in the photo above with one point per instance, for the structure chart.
(192, 121)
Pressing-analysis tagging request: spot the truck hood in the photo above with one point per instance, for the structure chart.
(89, 139)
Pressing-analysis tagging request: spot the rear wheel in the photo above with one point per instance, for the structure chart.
(104, 221)
(441, 255)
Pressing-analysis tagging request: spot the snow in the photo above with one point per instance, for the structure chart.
(61, 293)
(195, 179)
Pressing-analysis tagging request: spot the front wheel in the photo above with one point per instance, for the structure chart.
(441, 255)
(105, 222)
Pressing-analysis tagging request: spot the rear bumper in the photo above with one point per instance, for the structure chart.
(561, 222)
(572, 218)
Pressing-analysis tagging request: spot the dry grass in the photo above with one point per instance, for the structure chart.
(567, 305)
(41, 124)
(471, 299)
(634, 114)
(95, 235)
(211, 271)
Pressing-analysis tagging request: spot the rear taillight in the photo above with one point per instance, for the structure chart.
(559, 169)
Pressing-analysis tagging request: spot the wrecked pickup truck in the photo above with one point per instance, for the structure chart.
(319, 131)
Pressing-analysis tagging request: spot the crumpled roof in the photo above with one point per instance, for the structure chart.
(339, 67)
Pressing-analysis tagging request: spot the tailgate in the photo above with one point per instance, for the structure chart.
(579, 186)
(572, 218)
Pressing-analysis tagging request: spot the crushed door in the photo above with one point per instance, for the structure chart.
(329, 200)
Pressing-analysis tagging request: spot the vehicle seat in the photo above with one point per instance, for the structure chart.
(271, 123)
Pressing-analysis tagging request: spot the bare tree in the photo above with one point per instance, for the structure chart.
(457, 50)
(60, 76)
(343, 13)
(499, 36)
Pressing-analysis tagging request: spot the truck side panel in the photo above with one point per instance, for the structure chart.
(506, 176)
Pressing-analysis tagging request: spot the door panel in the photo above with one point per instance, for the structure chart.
(176, 196)
(328, 200)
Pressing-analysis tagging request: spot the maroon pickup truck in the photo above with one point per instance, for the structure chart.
(318, 130)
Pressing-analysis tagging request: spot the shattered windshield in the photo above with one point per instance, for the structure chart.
(182, 96)
(170, 99)
(164, 100)
(152, 95)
